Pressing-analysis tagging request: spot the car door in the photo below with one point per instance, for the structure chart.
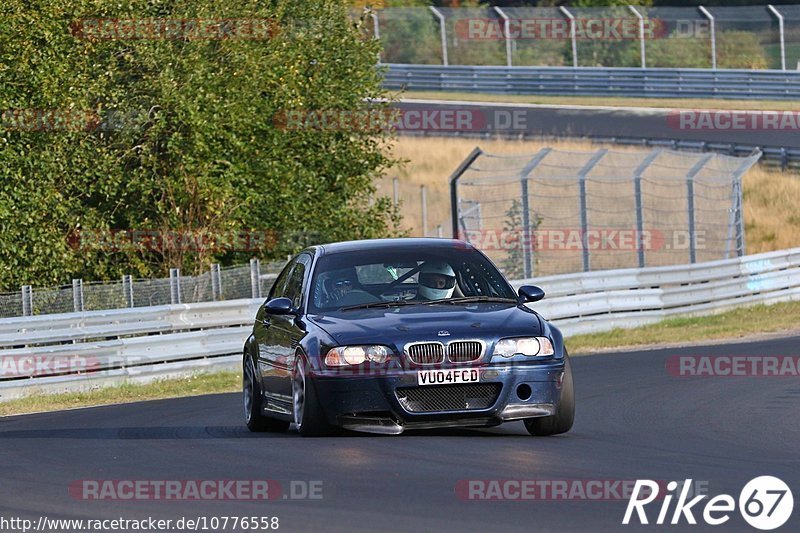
(287, 327)
(268, 338)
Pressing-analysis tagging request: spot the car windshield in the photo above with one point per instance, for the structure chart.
(414, 275)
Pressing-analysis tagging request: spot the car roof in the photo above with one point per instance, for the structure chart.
(428, 243)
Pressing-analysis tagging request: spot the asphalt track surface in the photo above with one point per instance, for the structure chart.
(634, 420)
(591, 121)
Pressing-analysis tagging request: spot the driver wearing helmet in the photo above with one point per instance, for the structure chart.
(437, 281)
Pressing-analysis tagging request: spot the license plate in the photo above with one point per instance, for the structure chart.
(446, 377)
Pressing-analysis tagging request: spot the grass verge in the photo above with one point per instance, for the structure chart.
(735, 324)
(669, 103)
(127, 393)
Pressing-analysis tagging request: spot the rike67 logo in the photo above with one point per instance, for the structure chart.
(765, 503)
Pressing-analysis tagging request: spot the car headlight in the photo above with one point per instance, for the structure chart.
(530, 346)
(355, 355)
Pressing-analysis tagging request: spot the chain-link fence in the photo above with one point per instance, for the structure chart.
(747, 37)
(226, 283)
(557, 211)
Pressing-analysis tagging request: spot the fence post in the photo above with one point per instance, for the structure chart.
(443, 31)
(377, 31)
(395, 191)
(712, 22)
(572, 34)
(582, 173)
(637, 187)
(216, 282)
(175, 285)
(255, 275)
(641, 35)
(27, 300)
(127, 288)
(424, 199)
(782, 34)
(77, 295)
(527, 238)
(465, 164)
(507, 32)
(690, 205)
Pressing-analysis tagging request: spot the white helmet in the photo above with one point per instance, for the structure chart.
(436, 280)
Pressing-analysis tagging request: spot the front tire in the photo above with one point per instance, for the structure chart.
(308, 415)
(562, 420)
(251, 392)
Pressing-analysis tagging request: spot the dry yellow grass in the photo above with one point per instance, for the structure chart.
(771, 197)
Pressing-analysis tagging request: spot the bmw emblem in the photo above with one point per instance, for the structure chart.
(444, 333)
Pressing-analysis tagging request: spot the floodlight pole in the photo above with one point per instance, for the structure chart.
(507, 32)
(711, 20)
(783, 36)
(572, 34)
(641, 34)
(443, 31)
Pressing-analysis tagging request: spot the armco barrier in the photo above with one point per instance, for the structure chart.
(597, 81)
(142, 344)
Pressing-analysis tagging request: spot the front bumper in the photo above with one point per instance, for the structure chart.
(373, 403)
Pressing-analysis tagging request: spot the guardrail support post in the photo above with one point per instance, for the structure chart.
(175, 285)
(572, 34)
(507, 32)
(443, 31)
(27, 300)
(77, 295)
(712, 23)
(255, 276)
(453, 179)
(641, 34)
(582, 173)
(127, 288)
(782, 35)
(216, 282)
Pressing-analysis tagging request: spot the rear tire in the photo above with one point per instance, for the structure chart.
(308, 414)
(562, 420)
(251, 392)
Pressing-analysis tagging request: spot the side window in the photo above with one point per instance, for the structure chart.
(294, 287)
(279, 287)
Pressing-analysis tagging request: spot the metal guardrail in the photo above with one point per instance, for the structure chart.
(595, 81)
(79, 351)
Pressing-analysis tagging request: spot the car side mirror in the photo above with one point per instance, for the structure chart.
(530, 293)
(279, 306)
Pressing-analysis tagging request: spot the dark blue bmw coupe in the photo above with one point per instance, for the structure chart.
(388, 335)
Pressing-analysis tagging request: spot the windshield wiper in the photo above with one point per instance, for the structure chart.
(474, 299)
(393, 303)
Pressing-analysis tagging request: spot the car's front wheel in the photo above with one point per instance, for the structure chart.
(251, 393)
(562, 420)
(308, 415)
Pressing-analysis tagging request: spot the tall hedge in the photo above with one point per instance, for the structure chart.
(181, 134)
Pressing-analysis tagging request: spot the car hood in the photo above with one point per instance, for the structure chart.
(399, 325)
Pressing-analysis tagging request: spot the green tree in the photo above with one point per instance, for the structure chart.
(188, 138)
